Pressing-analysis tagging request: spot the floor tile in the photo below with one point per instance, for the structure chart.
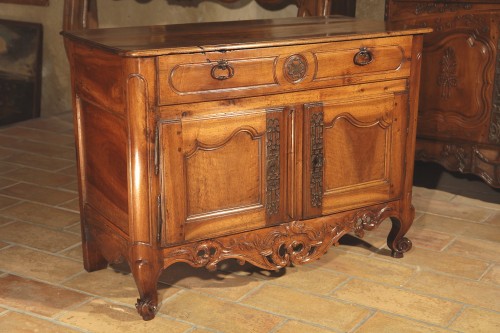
(37, 193)
(33, 134)
(477, 321)
(4, 182)
(41, 214)
(293, 326)
(74, 229)
(429, 239)
(381, 322)
(40, 161)
(73, 205)
(7, 167)
(493, 220)
(2, 245)
(444, 224)
(6, 201)
(38, 147)
(214, 313)
(390, 271)
(39, 177)
(461, 200)
(37, 297)
(23, 323)
(99, 316)
(445, 263)
(4, 220)
(459, 289)
(317, 310)
(38, 265)
(39, 237)
(221, 284)
(492, 276)
(52, 124)
(431, 194)
(75, 252)
(456, 210)
(311, 279)
(113, 285)
(367, 245)
(398, 301)
(475, 248)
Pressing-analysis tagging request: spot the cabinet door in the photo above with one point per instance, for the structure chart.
(353, 153)
(458, 68)
(222, 173)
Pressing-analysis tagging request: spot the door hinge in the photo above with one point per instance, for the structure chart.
(160, 220)
(157, 151)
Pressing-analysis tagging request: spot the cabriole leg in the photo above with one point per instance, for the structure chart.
(396, 242)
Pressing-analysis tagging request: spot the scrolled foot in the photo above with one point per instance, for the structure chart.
(403, 245)
(146, 309)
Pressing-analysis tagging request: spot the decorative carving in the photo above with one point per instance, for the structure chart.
(458, 153)
(494, 135)
(316, 184)
(295, 68)
(466, 158)
(430, 8)
(273, 166)
(448, 77)
(297, 242)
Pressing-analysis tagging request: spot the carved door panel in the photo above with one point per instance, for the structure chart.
(227, 172)
(458, 68)
(353, 153)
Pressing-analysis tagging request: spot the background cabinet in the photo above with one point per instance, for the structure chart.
(459, 112)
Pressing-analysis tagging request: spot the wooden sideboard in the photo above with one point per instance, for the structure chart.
(459, 115)
(262, 141)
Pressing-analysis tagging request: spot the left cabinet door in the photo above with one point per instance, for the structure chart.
(221, 173)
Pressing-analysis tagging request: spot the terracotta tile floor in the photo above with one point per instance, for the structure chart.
(449, 281)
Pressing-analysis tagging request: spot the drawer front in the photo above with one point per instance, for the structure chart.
(243, 73)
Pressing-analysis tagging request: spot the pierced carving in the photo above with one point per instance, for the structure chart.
(448, 77)
(273, 166)
(430, 8)
(297, 242)
(495, 128)
(295, 68)
(316, 183)
(458, 153)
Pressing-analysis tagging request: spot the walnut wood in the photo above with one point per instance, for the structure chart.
(459, 116)
(269, 162)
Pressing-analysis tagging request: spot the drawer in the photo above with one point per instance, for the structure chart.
(242, 73)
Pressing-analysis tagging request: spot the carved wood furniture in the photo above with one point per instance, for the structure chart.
(263, 141)
(459, 116)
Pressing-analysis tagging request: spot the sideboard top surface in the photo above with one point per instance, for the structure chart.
(225, 36)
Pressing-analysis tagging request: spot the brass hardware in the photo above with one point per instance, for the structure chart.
(363, 57)
(222, 65)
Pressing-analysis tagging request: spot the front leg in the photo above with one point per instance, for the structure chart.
(400, 225)
(146, 271)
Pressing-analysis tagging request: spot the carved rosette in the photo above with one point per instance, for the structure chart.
(295, 68)
(297, 242)
(272, 166)
(316, 184)
(447, 78)
(457, 153)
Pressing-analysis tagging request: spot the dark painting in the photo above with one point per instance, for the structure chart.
(20, 70)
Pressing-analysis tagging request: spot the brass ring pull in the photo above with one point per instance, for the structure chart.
(222, 65)
(363, 57)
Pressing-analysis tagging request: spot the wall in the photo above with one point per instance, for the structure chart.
(55, 77)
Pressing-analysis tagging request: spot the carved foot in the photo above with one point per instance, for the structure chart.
(146, 308)
(402, 246)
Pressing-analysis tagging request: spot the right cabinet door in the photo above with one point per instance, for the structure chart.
(353, 153)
